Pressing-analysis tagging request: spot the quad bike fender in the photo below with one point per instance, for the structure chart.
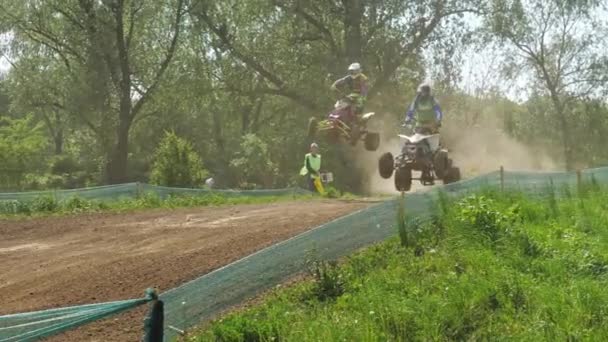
(367, 116)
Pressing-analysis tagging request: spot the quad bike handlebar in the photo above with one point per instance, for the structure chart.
(431, 128)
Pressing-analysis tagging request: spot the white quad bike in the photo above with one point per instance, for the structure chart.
(422, 152)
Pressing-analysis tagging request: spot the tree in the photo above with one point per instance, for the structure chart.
(253, 162)
(560, 42)
(36, 85)
(4, 99)
(177, 164)
(107, 47)
(22, 147)
(325, 37)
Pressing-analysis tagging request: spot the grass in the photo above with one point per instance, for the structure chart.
(489, 266)
(46, 206)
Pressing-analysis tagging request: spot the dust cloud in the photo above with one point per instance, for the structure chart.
(476, 150)
(486, 147)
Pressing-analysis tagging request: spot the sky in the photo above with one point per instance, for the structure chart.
(4, 64)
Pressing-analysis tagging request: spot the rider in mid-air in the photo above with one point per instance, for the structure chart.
(356, 87)
(427, 110)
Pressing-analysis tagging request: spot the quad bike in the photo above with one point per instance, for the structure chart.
(341, 123)
(422, 152)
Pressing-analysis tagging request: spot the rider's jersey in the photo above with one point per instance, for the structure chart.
(427, 110)
(312, 165)
(354, 85)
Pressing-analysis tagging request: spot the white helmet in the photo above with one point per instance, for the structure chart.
(210, 182)
(425, 84)
(354, 67)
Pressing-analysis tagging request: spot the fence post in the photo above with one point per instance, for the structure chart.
(138, 189)
(579, 182)
(154, 321)
(502, 178)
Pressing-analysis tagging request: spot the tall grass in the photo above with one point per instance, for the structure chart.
(505, 267)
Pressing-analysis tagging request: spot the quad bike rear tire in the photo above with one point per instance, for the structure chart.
(386, 164)
(440, 164)
(403, 179)
(452, 175)
(312, 128)
(372, 141)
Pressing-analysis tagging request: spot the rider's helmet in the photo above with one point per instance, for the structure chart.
(424, 89)
(354, 70)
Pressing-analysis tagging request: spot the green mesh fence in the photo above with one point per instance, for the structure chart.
(132, 190)
(210, 294)
(163, 191)
(108, 192)
(214, 292)
(32, 326)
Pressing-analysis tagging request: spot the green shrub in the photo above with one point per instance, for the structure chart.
(177, 164)
(246, 330)
(21, 141)
(482, 214)
(43, 182)
(331, 192)
(63, 164)
(14, 207)
(328, 281)
(78, 205)
(44, 204)
(253, 164)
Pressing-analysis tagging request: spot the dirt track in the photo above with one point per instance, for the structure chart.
(55, 262)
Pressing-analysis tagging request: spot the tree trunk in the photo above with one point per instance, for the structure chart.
(560, 109)
(353, 13)
(117, 166)
(58, 141)
(566, 140)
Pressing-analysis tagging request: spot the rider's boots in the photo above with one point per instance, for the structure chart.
(426, 178)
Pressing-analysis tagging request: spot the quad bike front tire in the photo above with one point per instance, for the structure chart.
(386, 164)
(313, 125)
(372, 141)
(403, 179)
(440, 164)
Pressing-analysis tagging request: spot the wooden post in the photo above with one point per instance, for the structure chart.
(502, 178)
(154, 320)
(579, 182)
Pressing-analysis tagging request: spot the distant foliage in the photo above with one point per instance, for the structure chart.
(177, 164)
(22, 150)
(253, 163)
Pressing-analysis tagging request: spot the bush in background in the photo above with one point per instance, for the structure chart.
(176, 163)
